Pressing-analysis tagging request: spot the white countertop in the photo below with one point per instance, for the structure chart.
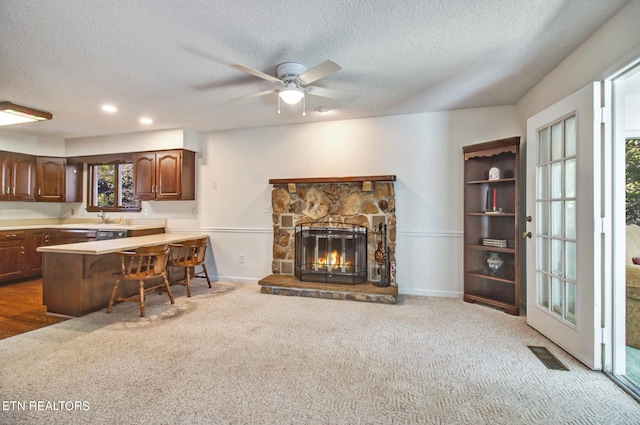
(115, 245)
(128, 224)
(86, 226)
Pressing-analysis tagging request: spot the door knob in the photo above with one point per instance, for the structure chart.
(528, 218)
(526, 235)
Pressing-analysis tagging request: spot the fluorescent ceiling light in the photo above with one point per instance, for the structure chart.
(291, 94)
(10, 113)
(109, 108)
(146, 120)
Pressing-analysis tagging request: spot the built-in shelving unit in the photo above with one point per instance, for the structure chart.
(491, 211)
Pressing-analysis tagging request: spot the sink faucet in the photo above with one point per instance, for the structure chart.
(103, 216)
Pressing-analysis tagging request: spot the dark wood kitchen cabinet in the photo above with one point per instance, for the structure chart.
(19, 256)
(17, 176)
(164, 175)
(18, 253)
(57, 181)
(35, 238)
(12, 255)
(30, 178)
(50, 179)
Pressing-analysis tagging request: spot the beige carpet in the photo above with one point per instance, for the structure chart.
(230, 355)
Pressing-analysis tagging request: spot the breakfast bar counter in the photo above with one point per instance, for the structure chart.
(77, 278)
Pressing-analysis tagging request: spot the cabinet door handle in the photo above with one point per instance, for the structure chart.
(526, 235)
(14, 190)
(22, 250)
(39, 191)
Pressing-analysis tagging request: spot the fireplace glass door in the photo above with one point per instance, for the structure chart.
(331, 254)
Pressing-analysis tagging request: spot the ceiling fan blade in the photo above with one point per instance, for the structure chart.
(256, 73)
(325, 68)
(333, 94)
(249, 96)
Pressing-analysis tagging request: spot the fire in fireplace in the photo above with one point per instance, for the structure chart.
(331, 253)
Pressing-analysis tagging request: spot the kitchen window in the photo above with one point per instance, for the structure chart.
(111, 187)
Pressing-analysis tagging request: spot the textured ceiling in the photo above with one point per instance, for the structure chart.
(170, 59)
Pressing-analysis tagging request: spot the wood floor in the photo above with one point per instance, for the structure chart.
(21, 308)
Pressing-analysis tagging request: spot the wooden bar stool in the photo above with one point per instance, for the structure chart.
(143, 264)
(189, 254)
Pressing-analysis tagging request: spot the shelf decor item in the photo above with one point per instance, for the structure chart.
(494, 173)
(494, 262)
(491, 211)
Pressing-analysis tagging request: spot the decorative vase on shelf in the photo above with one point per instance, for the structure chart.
(494, 262)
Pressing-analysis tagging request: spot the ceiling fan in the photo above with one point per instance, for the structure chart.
(294, 80)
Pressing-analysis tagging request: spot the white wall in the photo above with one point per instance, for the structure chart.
(424, 151)
(133, 142)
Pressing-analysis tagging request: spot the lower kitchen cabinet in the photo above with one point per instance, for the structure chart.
(12, 255)
(35, 239)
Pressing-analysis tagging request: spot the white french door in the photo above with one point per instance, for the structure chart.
(564, 202)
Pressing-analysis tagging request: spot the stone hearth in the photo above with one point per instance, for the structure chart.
(367, 201)
(367, 292)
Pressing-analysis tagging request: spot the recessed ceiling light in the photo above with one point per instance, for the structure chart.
(146, 121)
(109, 108)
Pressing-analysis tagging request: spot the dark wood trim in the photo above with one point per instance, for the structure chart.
(491, 148)
(389, 178)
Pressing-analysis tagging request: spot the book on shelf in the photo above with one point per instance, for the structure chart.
(497, 243)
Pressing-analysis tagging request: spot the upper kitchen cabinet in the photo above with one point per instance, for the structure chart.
(50, 179)
(17, 176)
(164, 175)
(57, 181)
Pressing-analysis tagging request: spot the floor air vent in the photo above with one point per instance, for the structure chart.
(549, 360)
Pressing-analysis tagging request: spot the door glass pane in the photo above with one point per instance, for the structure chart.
(557, 137)
(570, 219)
(543, 146)
(543, 289)
(543, 254)
(543, 218)
(570, 266)
(571, 303)
(542, 188)
(557, 259)
(570, 178)
(557, 296)
(556, 219)
(570, 136)
(556, 180)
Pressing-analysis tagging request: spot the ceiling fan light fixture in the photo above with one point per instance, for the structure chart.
(10, 113)
(291, 94)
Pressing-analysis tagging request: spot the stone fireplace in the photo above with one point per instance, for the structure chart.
(335, 206)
